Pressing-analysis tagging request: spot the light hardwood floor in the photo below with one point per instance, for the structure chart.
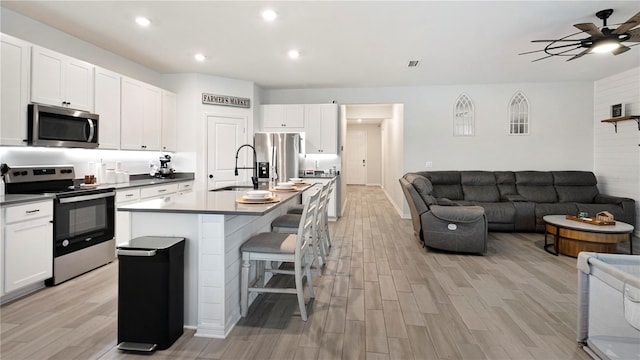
(381, 296)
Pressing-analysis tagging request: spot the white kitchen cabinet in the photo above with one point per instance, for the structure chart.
(169, 118)
(107, 106)
(283, 117)
(321, 128)
(185, 187)
(28, 249)
(141, 113)
(331, 207)
(60, 80)
(123, 218)
(15, 65)
(158, 191)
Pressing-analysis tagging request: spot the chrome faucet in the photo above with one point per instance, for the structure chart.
(254, 178)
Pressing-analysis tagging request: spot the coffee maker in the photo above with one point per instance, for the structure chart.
(165, 167)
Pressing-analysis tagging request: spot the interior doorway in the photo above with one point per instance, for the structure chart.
(356, 157)
(225, 134)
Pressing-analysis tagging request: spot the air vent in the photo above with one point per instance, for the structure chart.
(413, 63)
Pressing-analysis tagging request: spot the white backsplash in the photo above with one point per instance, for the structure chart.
(321, 162)
(135, 162)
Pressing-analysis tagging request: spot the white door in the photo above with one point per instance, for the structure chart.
(356, 157)
(224, 136)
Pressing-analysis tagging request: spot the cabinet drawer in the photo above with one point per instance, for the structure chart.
(29, 211)
(185, 186)
(160, 190)
(123, 196)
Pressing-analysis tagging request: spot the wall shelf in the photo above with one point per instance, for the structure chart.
(614, 121)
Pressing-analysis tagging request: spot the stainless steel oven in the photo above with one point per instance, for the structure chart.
(83, 219)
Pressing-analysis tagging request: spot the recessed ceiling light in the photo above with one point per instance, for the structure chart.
(359, 120)
(269, 15)
(294, 54)
(199, 57)
(143, 21)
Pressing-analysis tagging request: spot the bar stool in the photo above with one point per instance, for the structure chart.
(288, 224)
(326, 236)
(278, 247)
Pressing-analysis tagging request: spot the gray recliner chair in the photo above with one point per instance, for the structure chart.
(444, 225)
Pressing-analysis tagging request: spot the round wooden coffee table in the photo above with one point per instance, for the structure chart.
(570, 236)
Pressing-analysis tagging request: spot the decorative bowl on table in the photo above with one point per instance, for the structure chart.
(296, 180)
(284, 186)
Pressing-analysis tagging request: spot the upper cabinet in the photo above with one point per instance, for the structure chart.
(14, 90)
(321, 130)
(107, 106)
(283, 117)
(61, 80)
(169, 118)
(141, 113)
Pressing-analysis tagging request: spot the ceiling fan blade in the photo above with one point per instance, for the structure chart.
(548, 56)
(591, 29)
(586, 51)
(635, 35)
(558, 40)
(551, 48)
(629, 24)
(620, 50)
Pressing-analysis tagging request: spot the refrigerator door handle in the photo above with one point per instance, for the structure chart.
(274, 164)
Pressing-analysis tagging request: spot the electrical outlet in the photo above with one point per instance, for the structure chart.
(429, 164)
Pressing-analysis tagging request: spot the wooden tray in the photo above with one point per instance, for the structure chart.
(301, 184)
(591, 221)
(269, 200)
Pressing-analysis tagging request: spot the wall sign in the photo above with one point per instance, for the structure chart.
(212, 99)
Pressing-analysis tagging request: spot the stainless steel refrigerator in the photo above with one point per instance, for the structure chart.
(279, 156)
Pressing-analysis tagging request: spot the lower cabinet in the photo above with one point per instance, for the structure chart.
(331, 208)
(28, 248)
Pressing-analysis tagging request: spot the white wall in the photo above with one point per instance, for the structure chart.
(617, 158)
(561, 132)
(192, 115)
(374, 151)
(393, 139)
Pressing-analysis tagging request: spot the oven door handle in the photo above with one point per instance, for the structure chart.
(146, 253)
(86, 197)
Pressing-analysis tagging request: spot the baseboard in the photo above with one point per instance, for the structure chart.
(398, 210)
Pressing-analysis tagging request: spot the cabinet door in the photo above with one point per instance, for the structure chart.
(313, 128)
(272, 116)
(294, 116)
(78, 84)
(47, 84)
(152, 118)
(14, 90)
(321, 128)
(131, 115)
(107, 105)
(169, 135)
(30, 246)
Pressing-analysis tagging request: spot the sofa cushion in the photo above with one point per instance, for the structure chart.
(506, 182)
(575, 186)
(554, 209)
(499, 212)
(446, 184)
(422, 186)
(479, 186)
(536, 186)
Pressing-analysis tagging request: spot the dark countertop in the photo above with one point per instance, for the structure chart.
(13, 199)
(211, 202)
(136, 181)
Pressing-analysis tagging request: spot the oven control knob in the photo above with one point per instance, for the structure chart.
(24, 172)
(16, 173)
(65, 243)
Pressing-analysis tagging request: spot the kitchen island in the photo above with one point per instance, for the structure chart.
(214, 226)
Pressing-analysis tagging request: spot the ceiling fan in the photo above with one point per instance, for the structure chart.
(600, 40)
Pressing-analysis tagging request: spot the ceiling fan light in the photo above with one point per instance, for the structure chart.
(605, 46)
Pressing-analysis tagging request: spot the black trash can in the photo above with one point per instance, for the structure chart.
(150, 293)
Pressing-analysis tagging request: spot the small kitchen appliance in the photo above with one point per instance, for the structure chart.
(61, 127)
(165, 169)
(83, 219)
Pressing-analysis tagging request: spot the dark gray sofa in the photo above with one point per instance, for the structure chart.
(517, 200)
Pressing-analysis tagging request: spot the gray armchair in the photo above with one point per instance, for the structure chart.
(443, 226)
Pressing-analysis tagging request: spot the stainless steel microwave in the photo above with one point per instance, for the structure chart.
(61, 127)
